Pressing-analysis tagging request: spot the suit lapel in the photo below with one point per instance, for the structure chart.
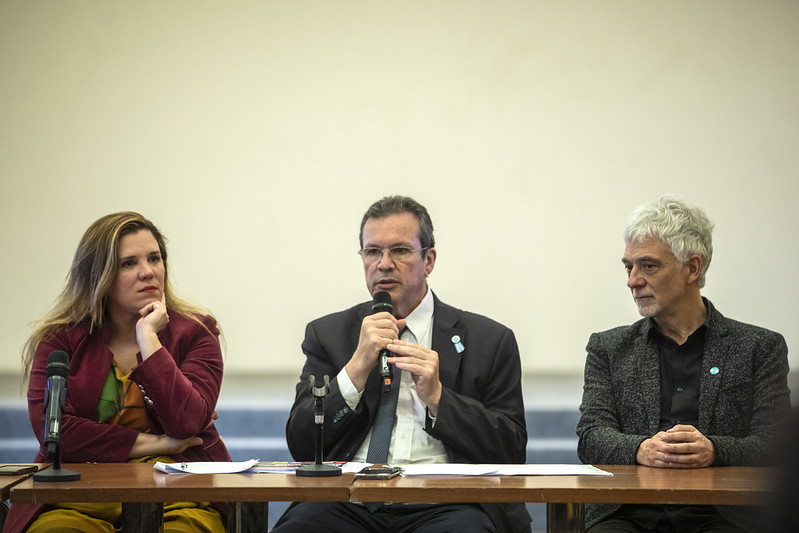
(445, 327)
(646, 355)
(714, 367)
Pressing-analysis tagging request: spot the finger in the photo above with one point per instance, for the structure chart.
(409, 364)
(681, 428)
(401, 347)
(385, 327)
(670, 460)
(684, 448)
(661, 463)
(692, 446)
(668, 464)
(418, 369)
(681, 462)
(657, 448)
(680, 436)
(411, 369)
(412, 363)
(384, 318)
(409, 349)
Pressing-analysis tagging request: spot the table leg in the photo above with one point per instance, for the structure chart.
(248, 517)
(565, 518)
(143, 517)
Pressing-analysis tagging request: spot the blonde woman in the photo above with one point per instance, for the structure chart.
(144, 374)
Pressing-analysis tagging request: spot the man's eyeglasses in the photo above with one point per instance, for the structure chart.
(398, 254)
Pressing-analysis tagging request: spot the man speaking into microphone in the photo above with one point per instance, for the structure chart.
(453, 395)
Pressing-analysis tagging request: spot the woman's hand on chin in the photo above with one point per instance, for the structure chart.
(154, 318)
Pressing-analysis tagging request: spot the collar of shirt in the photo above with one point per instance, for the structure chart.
(653, 332)
(420, 319)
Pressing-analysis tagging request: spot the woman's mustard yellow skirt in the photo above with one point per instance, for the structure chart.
(183, 517)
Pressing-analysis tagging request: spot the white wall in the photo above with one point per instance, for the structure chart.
(255, 134)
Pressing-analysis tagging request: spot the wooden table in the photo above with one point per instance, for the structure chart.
(6, 482)
(143, 490)
(565, 496)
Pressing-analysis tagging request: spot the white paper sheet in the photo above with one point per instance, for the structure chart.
(207, 467)
(442, 469)
(460, 469)
(352, 467)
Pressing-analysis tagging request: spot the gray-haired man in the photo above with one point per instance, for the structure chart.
(685, 387)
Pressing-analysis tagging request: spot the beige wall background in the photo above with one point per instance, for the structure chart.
(255, 134)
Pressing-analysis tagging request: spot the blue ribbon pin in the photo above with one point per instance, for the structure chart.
(456, 340)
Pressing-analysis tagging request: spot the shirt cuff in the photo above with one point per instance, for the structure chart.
(431, 417)
(348, 390)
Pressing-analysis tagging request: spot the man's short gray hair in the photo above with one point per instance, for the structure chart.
(684, 228)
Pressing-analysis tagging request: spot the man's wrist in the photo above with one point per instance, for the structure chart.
(432, 419)
(640, 453)
(354, 376)
(348, 390)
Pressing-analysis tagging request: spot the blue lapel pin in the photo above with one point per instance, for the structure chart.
(456, 340)
(714, 371)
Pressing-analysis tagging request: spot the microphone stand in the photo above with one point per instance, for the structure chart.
(56, 473)
(318, 469)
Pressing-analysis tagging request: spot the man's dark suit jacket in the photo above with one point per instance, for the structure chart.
(481, 413)
(743, 396)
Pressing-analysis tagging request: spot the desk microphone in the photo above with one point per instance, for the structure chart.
(55, 396)
(381, 301)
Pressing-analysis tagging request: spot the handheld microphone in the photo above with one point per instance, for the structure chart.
(55, 396)
(381, 301)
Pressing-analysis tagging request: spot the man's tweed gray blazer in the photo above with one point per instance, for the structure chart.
(743, 395)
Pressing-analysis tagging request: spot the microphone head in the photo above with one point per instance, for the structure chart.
(57, 364)
(381, 301)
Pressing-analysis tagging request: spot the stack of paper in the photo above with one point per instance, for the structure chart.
(207, 467)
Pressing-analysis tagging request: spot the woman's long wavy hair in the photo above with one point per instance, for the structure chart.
(94, 268)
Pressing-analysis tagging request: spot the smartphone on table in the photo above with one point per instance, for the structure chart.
(17, 470)
(378, 472)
